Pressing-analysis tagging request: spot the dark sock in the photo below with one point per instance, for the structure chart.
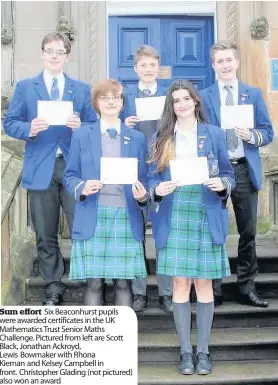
(205, 313)
(182, 317)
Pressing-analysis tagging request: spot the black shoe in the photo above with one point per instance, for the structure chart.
(203, 363)
(165, 303)
(140, 302)
(186, 365)
(252, 299)
(52, 299)
(218, 300)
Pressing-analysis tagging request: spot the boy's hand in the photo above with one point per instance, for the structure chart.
(131, 121)
(91, 187)
(38, 125)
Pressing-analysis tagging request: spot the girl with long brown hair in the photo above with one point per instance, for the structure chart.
(190, 223)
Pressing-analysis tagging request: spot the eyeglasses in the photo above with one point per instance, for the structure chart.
(51, 52)
(115, 98)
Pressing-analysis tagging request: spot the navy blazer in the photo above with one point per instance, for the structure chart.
(84, 164)
(40, 151)
(131, 93)
(263, 132)
(210, 140)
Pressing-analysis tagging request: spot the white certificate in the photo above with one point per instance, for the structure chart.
(189, 170)
(55, 113)
(118, 170)
(150, 108)
(240, 116)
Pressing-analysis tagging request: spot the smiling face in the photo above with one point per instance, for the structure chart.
(54, 56)
(183, 104)
(110, 105)
(225, 64)
(147, 69)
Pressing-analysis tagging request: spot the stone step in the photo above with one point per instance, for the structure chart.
(224, 373)
(229, 315)
(267, 251)
(266, 283)
(233, 344)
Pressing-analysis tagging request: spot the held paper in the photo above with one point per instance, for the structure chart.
(118, 170)
(189, 171)
(150, 108)
(239, 116)
(55, 112)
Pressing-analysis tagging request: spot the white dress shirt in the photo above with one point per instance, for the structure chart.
(153, 88)
(48, 80)
(239, 152)
(104, 127)
(186, 142)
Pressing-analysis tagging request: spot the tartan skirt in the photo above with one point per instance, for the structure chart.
(112, 252)
(190, 251)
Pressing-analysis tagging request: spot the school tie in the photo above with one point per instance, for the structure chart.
(147, 92)
(112, 132)
(231, 138)
(54, 92)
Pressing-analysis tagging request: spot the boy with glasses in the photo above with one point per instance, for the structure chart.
(46, 152)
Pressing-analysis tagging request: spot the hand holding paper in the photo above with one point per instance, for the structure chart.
(189, 171)
(118, 170)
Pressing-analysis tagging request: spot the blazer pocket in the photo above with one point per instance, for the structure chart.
(79, 217)
(28, 169)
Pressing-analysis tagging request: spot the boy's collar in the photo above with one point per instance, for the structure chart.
(153, 88)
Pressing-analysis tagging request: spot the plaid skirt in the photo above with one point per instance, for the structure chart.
(190, 250)
(112, 252)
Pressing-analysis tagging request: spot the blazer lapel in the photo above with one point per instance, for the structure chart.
(40, 87)
(242, 93)
(95, 137)
(215, 100)
(202, 139)
(126, 140)
(69, 89)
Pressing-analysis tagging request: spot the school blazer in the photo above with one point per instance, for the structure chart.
(210, 141)
(263, 132)
(130, 95)
(40, 151)
(84, 164)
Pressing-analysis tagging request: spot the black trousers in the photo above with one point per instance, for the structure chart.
(45, 210)
(245, 201)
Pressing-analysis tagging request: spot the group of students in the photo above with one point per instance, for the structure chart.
(189, 223)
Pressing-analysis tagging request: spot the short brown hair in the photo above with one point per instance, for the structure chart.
(221, 46)
(56, 36)
(145, 50)
(103, 87)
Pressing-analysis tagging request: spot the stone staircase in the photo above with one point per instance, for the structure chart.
(244, 340)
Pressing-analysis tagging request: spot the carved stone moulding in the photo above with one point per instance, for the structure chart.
(259, 28)
(6, 35)
(66, 27)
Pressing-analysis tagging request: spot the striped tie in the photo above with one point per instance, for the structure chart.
(147, 92)
(231, 138)
(54, 92)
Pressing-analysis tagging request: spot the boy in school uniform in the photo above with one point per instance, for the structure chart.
(146, 65)
(46, 153)
(243, 149)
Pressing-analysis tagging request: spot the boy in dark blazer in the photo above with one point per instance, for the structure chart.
(46, 152)
(243, 149)
(146, 65)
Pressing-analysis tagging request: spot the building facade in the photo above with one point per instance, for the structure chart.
(105, 35)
